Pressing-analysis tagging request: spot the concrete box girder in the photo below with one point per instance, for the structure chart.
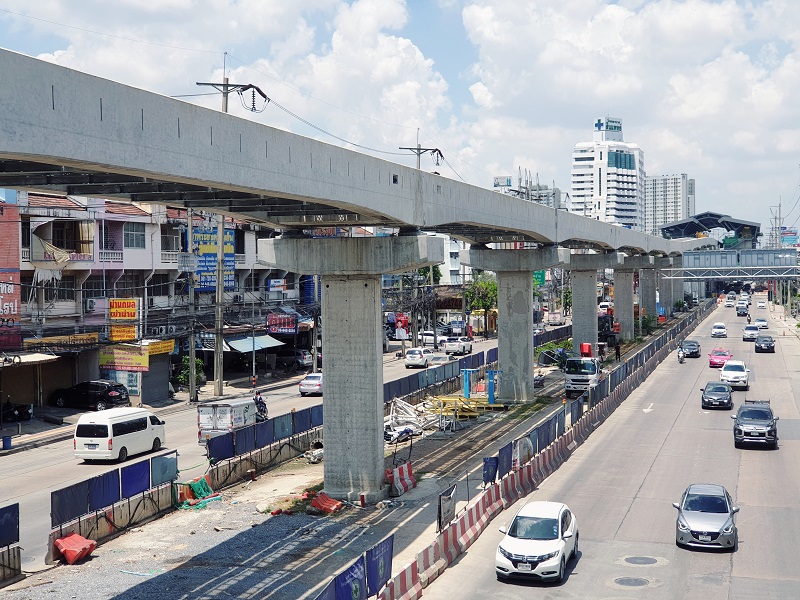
(516, 260)
(594, 262)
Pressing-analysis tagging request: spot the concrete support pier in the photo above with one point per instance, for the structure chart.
(352, 360)
(584, 295)
(647, 292)
(623, 302)
(664, 285)
(515, 349)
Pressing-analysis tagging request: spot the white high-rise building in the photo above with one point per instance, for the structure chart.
(667, 198)
(608, 177)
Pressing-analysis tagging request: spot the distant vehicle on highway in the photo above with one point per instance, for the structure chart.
(761, 323)
(117, 433)
(428, 336)
(418, 357)
(706, 518)
(750, 333)
(455, 345)
(716, 394)
(718, 357)
(538, 542)
(719, 330)
(311, 384)
(691, 348)
(761, 304)
(755, 423)
(765, 343)
(736, 373)
(99, 394)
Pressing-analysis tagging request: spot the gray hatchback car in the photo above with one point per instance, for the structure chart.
(705, 518)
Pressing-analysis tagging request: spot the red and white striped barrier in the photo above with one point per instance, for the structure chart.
(407, 585)
(403, 479)
(470, 525)
(387, 593)
(494, 501)
(508, 489)
(525, 477)
(430, 563)
(448, 542)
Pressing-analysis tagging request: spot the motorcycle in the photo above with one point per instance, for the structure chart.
(10, 412)
(680, 356)
(261, 410)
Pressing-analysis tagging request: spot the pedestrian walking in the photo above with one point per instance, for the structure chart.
(616, 350)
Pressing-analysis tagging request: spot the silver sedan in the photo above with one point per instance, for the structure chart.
(705, 518)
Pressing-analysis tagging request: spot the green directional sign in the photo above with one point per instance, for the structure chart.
(538, 278)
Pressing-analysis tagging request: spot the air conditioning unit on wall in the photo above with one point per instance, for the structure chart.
(88, 304)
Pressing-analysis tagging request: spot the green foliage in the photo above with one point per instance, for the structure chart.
(481, 294)
(649, 324)
(437, 274)
(566, 344)
(680, 305)
(567, 301)
(183, 376)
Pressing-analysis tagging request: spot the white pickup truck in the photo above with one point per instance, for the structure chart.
(458, 345)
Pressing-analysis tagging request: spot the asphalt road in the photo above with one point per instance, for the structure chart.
(29, 477)
(621, 484)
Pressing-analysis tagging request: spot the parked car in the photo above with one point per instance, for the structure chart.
(691, 348)
(761, 323)
(716, 393)
(454, 345)
(718, 357)
(719, 330)
(705, 518)
(418, 357)
(749, 333)
(291, 357)
(311, 384)
(99, 394)
(427, 337)
(538, 542)
(755, 422)
(736, 373)
(765, 343)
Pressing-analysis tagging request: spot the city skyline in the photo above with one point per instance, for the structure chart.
(498, 88)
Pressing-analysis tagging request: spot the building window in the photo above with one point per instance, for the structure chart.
(251, 283)
(63, 290)
(95, 287)
(133, 235)
(159, 285)
(26, 234)
(129, 286)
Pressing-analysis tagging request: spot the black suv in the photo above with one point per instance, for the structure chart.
(755, 423)
(691, 348)
(99, 394)
(765, 343)
(742, 311)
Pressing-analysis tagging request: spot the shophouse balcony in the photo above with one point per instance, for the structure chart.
(169, 257)
(26, 254)
(111, 256)
(240, 259)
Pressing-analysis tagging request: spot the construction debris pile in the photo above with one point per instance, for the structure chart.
(436, 413)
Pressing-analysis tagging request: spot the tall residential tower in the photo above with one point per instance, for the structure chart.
(667, 198)
(608, 177)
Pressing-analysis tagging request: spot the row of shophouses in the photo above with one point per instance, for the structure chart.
(94, 288)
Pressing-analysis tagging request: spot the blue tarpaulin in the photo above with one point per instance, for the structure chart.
(69, 503)
(504, 457)
(379, 565)
(220, 447)
(265, 434)
(135, 478)
(104, 490)
(244, 440)
(9, 525)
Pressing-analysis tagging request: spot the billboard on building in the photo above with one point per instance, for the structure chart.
(10, 295)
(281, 323)
(124, 309)
(205, 240)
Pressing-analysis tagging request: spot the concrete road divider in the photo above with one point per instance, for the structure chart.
(406, 584)
(494, 500)
(449, 544)
(430, 563)
(403, 479)
(508, 489)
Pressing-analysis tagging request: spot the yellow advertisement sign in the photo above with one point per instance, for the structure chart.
(161, 347)
(59, 342)
(123, 309)
(123, 333)
(124, 358)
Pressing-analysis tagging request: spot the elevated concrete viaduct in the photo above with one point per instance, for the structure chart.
(68, 132)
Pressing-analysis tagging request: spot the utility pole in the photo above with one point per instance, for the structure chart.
(419, 151)
(224, 88)
(191, 275)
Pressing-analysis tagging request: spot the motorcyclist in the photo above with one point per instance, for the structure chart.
(748, 318)
(261, 406)
(681, 354)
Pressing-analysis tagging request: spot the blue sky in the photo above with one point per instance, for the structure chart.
(705, 87)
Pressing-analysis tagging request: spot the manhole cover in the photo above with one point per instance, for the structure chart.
(631, 581)
(641, 560)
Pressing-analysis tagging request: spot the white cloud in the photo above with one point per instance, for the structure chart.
(481, 94)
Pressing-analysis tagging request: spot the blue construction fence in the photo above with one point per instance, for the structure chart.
(263, 434)
(103, 491)
(9, 525)
(365, 577)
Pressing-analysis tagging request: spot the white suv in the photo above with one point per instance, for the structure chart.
(735, 373)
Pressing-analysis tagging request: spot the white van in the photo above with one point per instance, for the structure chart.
(117, 434)
(219, 418)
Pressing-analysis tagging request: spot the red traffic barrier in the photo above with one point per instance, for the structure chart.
(325, 503)
(75, 547)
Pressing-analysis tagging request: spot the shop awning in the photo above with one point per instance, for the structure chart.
(34, 358)
(247, 343)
